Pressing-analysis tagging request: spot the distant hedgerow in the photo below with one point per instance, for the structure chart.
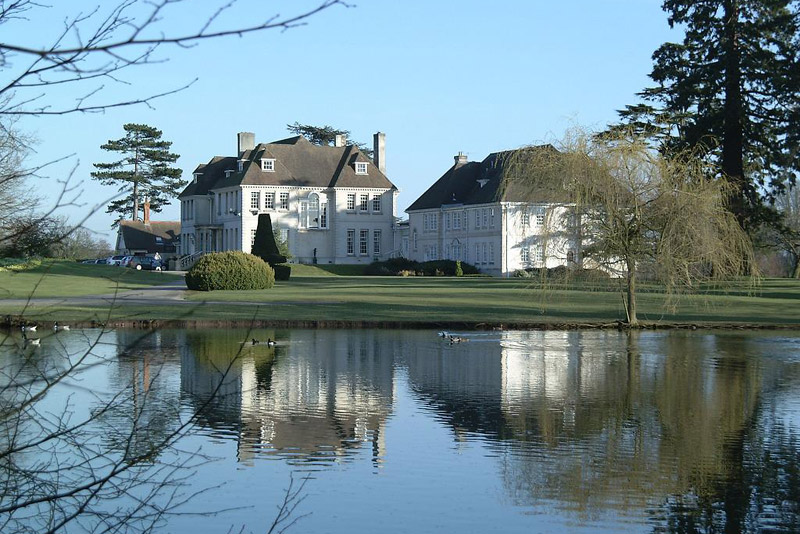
(232, 270)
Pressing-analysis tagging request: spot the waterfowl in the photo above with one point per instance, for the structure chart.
(270, 342)
(254, 341)
(444, 334)
(456, 339)
(33, 341)
(29, 328)
(56, 327)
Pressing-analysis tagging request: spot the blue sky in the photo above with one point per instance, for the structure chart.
(438, 77)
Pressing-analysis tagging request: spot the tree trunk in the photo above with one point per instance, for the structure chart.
(796, 270)
(135, 216)
(733, 133)
(631, 302)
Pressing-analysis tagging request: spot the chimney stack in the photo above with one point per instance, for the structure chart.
(147, 212)
(245, 141)
(379, 151)
(460, 158)
(340, 140)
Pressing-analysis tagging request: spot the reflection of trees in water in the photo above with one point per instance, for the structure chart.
(149, 409)
(598, 420)
(316, 394)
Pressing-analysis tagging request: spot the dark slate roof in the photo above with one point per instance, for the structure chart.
(140, 236)
(505, 175)
(297, 163)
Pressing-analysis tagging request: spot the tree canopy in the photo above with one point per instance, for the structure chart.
(143, 172)
(731, 88)
(325, 135)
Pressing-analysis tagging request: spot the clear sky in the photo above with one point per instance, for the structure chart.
(437, 76)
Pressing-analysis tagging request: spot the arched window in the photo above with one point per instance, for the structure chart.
(314, 211)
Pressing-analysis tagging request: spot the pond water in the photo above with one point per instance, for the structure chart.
(401, 431)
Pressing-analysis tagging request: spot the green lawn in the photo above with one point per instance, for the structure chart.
(493, 300)
(59, 278)
(318, 293)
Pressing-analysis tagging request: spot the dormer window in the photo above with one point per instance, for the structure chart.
(197, 176)
(241, 165)
(268, 164)
(229, 172)
(361, 167)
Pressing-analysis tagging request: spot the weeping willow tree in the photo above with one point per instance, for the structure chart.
(639, 212)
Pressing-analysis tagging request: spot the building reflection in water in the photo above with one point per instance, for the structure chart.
(669, 423)
(314, 396)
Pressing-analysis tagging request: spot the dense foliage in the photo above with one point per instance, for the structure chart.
(232, 270)
(406, 267)
(731, 87)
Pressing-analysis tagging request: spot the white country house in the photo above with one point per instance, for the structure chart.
(478, 214)
(330, 203)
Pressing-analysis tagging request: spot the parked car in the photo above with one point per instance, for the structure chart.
(126, 261)
(146, 263)
(114, 260)
(101, 261)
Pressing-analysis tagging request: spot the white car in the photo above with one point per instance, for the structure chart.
(115, 260)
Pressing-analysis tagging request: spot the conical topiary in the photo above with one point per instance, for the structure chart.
(265, 246)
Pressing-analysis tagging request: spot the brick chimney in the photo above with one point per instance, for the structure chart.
(146, 217)
(460, 159)
(379, 151)
(245, 141)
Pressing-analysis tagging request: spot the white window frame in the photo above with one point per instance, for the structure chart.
(351, 242)
(525, 255)
(363, 242)
(526, 218)
(268, 164)
(361, 167)
(351, 202)
(376, 242)
(269, 200)
(255, 200)
(376, 203)
(283, 200)
(363, 205)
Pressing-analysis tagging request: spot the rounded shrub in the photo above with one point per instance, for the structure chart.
(231, 270)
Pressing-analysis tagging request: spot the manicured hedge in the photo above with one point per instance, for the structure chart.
(406, 267)
(231, 270)
(282, 271)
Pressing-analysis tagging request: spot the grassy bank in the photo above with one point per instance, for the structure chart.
(61, 278)
(316, 294)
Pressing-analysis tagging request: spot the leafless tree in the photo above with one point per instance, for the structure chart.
(88, 51)
(641, 212)
(56, 470)
(101, 45)
(113, 467)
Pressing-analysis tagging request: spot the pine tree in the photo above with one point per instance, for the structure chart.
(731, 86)
(142, 173)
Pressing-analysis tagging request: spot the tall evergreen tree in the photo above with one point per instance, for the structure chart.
(143, 173)
(731, 86)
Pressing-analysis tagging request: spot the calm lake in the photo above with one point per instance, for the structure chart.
(401, 431)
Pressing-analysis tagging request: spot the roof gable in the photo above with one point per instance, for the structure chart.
(500, 177)
(298, 163)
